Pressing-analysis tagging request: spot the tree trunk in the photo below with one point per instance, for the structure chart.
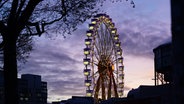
(10, 68)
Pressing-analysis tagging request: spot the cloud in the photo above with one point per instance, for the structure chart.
(141, 37)
(69, 87)
(141, 28)
(52, 60)
(59, 60)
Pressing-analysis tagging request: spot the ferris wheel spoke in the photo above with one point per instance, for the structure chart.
(98, 43)
(110, 55)
(115, 60)
(97, 54)
(102, 36)
(110, 49)
(108, 42)
(97, 57)
(98, 48)
(94, 75)
(94, 63)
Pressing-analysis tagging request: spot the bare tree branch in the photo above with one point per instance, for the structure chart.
(1, 5)
(27, 13)
(63, 7)
(20, 6)
(38, 29)
(64, 12)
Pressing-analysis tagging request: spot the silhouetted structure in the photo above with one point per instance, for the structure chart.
(57, 102)
(80, 100)
(149, 100)
(177, 21)
(77, 100)
(1, 87)
(160, 94)
(163, 63)
(31, 89)
(113, 100)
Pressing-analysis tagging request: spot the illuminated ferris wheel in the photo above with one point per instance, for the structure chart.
(104, 69)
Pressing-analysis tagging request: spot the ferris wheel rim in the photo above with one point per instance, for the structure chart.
(91, 43)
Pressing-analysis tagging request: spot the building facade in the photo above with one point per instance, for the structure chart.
(1, 87)
(31, 89)
(177, 27)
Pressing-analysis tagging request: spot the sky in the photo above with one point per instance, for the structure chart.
(60, 60)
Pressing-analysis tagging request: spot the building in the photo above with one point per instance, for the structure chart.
(31, 89)
(160, 94)
(130, 101)
(177, 26)
(163, 64)
(1, 87)
(76, 100)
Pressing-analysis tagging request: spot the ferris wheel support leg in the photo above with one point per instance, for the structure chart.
(115, 87)
(103, 89)
(97, 88)
(109, 89)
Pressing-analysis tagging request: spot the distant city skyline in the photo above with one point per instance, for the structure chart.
(59, 60)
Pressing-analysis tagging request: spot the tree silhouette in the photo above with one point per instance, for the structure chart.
(20, 19)
(33, 18)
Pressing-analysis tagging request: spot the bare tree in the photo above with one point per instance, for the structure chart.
(33, 18)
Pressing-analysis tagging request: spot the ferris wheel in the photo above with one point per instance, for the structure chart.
(104, 69)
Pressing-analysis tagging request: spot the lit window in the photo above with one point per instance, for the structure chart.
(21, 98)
(26, 99)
